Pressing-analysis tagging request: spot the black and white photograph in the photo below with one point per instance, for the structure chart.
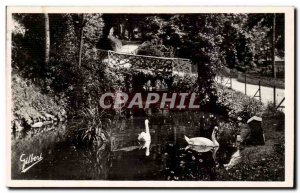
(150, 97)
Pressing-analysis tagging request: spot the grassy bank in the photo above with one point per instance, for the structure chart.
(262, 162)
(30, 105)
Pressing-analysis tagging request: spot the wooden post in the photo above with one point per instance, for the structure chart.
(274, 97)
(230, 81)
(245, 84)
(259, 90)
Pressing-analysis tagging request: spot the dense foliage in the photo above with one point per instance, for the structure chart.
(31, 106)
(75, 69)
(155, 48)
(77, 72)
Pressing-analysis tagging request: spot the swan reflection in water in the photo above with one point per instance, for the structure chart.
(146, 145)
(145, 138)
(202, 149)
(234, 160)
(143, 145)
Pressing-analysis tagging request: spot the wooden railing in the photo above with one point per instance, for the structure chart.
(151, 63)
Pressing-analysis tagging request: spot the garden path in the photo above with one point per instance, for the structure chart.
(267, 93)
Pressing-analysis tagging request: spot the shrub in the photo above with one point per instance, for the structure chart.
(228, 132)
(274, 113)
(155, 49)
(238, 104)
(186, 83)
(250, 108)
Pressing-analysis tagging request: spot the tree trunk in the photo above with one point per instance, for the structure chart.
(47, 38)
(81, 42)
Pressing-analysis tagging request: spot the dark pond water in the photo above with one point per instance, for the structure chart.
(122, 158)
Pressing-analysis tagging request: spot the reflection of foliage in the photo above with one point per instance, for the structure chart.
(187, 164)
(98, 162)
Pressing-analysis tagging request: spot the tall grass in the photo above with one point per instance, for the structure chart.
(92, 129)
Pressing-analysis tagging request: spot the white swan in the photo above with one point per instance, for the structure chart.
(202, 141)
(146, 138)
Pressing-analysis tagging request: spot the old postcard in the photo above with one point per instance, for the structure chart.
(150, 97)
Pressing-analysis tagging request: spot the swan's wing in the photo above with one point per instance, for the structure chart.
(201, 141)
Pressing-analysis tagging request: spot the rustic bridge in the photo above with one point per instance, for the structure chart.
(148, 64)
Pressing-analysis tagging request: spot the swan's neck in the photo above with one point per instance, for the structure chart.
(214, 153)
(147, 128)
(214, 140)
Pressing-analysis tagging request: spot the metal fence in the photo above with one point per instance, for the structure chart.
(278, 103)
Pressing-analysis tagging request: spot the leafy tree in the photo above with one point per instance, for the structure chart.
(76, 68)
(28, 53)
(196, 37)
(236, 41)
(266, 21)
(47, 38)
